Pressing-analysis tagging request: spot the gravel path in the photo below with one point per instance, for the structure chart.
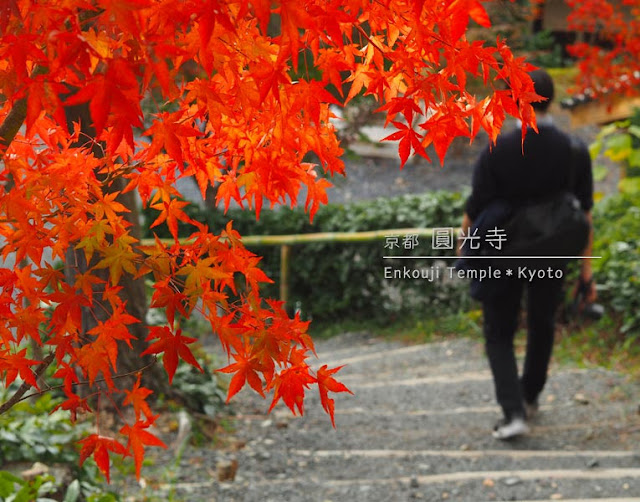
(418, 428)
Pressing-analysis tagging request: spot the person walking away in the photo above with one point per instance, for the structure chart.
(517, 172)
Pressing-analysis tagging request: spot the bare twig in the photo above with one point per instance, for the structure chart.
(18, 114)
(20, 393)
(12, 124)
(97, 380)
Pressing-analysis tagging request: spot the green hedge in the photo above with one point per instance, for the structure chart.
(30, 432)
(346, 280)
(617, 273)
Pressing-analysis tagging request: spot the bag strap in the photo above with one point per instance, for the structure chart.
(574, 152)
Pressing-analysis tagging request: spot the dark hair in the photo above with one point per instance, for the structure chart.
(543, 84)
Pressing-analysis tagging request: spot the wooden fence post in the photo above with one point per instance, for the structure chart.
(285, 249)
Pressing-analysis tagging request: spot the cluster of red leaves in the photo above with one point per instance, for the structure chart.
(608, 56)
(227, 110)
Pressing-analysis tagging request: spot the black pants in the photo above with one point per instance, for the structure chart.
(500, 323)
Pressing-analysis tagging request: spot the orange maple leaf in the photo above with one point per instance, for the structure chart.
(326, 384)
(408, 138)
(18, 364)
(290, 385)
(246, 369)
(172, 346)
(100, 446)
(171, 212)
(137, 398)
(138, 438)
(72, 405)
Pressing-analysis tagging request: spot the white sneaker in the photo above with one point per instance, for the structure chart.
(510, 428)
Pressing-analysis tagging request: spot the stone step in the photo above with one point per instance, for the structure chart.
(430, 412)
(632, 456)
(546, 484)
(608, 499)
(390, 372)
(379, 353)
(630, 475)
(372, 349)
(418, 428)
(461, 388)
(502, 489)
(465, 389)
(560, 412)
(372, 464)
(592, 435)
(377, 382)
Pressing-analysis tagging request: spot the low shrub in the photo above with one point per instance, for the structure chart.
(334, 281)
(32, 433)
(617, 273)
(346, 280)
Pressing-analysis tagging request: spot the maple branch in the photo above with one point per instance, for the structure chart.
(85, 382)
(376, 46)
(20, 393)
(18, 114)
(12, 124)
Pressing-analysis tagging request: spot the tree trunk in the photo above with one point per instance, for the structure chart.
(133, 290)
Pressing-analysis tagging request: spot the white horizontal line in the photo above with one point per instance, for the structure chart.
(469, 376)
(377, 355)
(459, 410)
(515, 454)
(466, 376)
(524, 475)
(537, 431)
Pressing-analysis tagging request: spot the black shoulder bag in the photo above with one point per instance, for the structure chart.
(554, 226)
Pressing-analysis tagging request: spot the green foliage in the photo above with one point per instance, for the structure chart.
(45, 488)
(16, 489)
(346, 280)
(617, 225)
(620, 142)
(31, 433)
(542, 50)
(617, 240)
(203, 392)
(426, 329)
(337, 282)
(597, 344)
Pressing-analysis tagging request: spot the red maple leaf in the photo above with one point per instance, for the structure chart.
(137, 398)
(18, 364)
(479, 14)
(326, 384)
(172, 346)
(408, 138)
(100, 446)
(171, 212)
(290, 385)
(72, 405)
(246, 369)
(138, 438)
(115, 93)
